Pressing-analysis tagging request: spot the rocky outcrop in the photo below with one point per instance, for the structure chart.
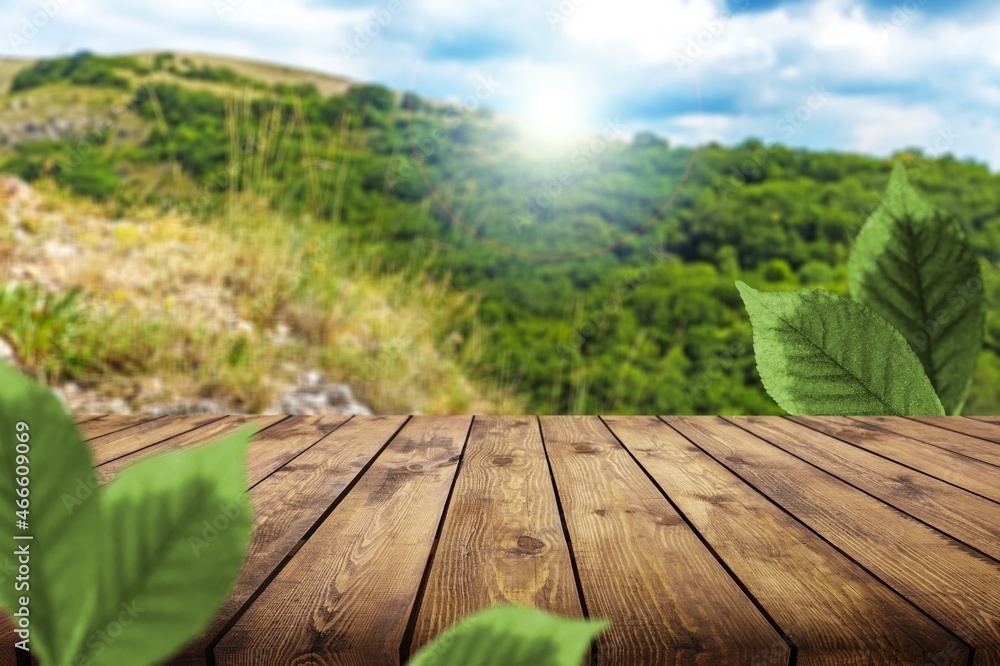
(311, 395)
(7, 354)
(49, 123)
(308, 393)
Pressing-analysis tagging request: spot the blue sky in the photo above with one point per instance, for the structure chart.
(868, 76)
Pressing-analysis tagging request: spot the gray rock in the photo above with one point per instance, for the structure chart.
(7, 354)
(281, 334)
(88, 404)
(57, 250)
(201, 406)
(312, 396)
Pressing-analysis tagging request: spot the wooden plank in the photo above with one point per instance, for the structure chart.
(959, 470)
(941, 435)
(7, 640)
(291, 502)
(833, 610)
(270, 448)
(958, 587)
(963, 424)
(203, 435)
(284, 441)
(969, 518)
(670, 600)
(83, 418)
(503, 521)
(346, 596)
(112, 423)
(123, 442)
(994, 420)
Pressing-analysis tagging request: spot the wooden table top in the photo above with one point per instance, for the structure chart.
(708, 540)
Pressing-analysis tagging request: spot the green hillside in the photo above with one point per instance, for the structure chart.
(592, 298)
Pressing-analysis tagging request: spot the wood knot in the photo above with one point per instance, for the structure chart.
(601, 512)
(529, 545)
(669, 520)
(584, 448)
(502, 460)
(414, 467)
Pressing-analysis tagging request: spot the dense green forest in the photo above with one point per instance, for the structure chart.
(597, 296)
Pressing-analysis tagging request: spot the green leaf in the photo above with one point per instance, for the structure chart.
(818, 353)
(511, 636)
(62, 518)
(915, 268)
(176, 529)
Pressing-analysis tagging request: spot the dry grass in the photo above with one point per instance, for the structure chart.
(200, 310)
(236, 306)
(269, 73)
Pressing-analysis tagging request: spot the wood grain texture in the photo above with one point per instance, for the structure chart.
(112, 423)
(958, 587)
(283, 441)
(832, 610)
(963, 424)
(640, 564)
(969, 518)
(289, 503)
(347, 595)
(917, 428)
(135, 438)
(502, 540)
(205, 434)
(959, 470)
(851, 522)
(7, 640)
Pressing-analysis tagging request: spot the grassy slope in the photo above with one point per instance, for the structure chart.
(389, 337)
(212, 327)
(268, 72)
(375, 340)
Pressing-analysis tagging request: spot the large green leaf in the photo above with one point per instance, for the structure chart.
(915, 268)
(511, 636)
(62, 518)
(175, 530)
(818, 353)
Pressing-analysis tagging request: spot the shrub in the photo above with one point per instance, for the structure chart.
(82, 68)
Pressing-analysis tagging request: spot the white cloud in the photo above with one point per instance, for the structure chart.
(881, 127)
(643, 32)
(891, 83)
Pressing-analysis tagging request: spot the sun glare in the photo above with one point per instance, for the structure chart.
(555, 114)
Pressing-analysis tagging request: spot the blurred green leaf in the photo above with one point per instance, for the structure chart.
(176, 528)
(62, 517)
(511, 636)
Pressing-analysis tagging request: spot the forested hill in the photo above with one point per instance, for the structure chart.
(605, 268)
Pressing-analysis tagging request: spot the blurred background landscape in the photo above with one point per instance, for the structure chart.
(413, 208)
